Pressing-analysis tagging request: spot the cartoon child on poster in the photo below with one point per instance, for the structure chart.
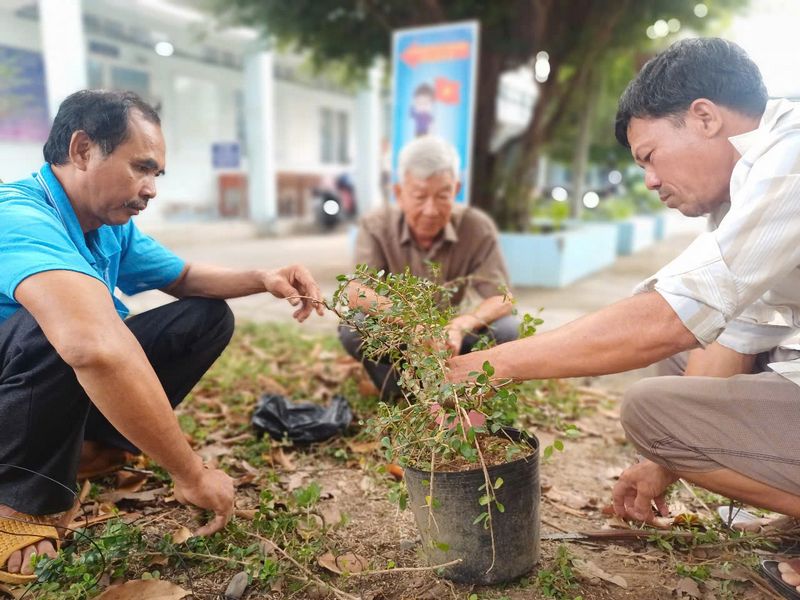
(422, 109)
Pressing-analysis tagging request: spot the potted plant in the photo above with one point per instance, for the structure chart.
(472, 481)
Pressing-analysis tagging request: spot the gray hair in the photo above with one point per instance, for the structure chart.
(427, 156)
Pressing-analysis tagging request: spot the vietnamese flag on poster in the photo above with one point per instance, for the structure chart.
(447, 91)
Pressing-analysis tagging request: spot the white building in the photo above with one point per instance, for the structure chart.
(249, 132)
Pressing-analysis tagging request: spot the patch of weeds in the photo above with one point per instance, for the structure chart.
(559, 581)
(75, 572)
(697, 572)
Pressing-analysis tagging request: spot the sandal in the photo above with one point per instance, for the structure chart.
(773, 575)
(18, 533)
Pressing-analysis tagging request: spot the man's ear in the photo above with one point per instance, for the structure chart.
(707, 116)
(80, 149)
(398, 193)
(458, 189)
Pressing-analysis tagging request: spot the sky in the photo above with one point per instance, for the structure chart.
(770, 33)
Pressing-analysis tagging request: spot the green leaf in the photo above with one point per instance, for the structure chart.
(480, 518)
(484, 500)
(559, 445)
(488, 368)
(548, 451)
(498, 483)
(443, 546)
(500, 507)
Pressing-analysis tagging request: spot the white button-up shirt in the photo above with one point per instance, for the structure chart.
(739, 283)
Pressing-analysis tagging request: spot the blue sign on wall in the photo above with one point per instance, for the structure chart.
(434, 89)
(225, 155)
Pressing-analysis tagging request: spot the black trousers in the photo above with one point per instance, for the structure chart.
(45, 414)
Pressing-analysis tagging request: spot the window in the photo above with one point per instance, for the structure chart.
(334, 136)
(326, 135)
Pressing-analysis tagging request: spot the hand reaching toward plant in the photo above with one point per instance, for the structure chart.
(639, 487)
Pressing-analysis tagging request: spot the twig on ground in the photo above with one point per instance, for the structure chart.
(407, 569)
(336, 591)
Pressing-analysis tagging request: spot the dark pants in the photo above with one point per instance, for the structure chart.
(505, 329)
(45, 414)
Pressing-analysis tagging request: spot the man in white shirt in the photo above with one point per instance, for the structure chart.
(698, 122)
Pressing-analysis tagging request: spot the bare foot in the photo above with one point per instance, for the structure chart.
(790, 572)
(20, 561)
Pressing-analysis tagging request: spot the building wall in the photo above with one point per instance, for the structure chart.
(200, 104)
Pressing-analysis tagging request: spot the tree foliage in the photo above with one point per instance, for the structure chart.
(580, 37)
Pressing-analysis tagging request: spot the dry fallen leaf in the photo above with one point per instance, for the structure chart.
(144, 589)
(130, 481)
(294, 481)
(395, 471)
(147, 496)
(279, 457)
(687, 587)
(180, 535)
(331, 515)
(589, 569)
(346, 563)
(363, 447)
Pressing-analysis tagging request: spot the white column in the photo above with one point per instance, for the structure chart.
(368, 142)
(63, 48)
(259, 114)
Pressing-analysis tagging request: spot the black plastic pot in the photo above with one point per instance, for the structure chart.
(451, 534)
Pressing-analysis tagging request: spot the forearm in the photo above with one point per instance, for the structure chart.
(633, 333)
(486, 313)
(208, 281)
(121, 383)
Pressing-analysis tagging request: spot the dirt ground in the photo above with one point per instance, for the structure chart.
(299, 508)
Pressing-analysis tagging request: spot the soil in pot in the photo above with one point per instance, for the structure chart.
(448, 530)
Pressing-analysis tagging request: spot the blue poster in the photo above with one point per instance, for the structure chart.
(24, 116)
(433, 89)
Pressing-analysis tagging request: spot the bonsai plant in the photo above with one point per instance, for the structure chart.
(472, 481)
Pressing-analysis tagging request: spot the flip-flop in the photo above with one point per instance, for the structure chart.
(736, 515)
(773, 575)
(20, 532)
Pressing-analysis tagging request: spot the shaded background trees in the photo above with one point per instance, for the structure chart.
(594, 47)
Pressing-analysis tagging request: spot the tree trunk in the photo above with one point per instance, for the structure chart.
(482, 191)
(580, 157)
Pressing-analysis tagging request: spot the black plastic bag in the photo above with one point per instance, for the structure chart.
(301, 422)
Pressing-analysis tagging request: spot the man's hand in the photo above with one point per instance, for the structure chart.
(297, 285)
(212, 490)
(459, 367)
(457, 329)
(639, 486)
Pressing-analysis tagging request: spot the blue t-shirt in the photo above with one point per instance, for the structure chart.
(39, 231)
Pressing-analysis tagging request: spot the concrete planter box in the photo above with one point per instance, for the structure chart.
(557, 259)
(635, 233)
(659, 226)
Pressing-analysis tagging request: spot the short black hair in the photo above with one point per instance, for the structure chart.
(102, 114)
(710, 68)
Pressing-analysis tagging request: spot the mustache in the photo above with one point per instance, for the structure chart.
(135, 204)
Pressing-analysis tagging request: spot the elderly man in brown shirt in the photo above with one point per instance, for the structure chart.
(425, 225)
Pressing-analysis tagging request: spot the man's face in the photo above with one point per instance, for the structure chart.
(121, 184)
(427, 203)
(690, 170)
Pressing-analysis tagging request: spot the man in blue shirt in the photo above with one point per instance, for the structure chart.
(80, 386)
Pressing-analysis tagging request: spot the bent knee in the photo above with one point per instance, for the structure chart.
(641, 408)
